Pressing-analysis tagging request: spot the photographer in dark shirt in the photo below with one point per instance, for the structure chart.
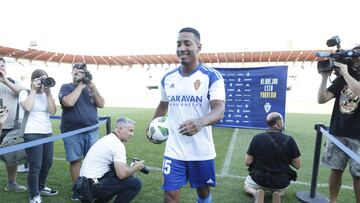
(268, 157)
(344, 123)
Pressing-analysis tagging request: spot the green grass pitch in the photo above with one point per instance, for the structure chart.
(230, 177)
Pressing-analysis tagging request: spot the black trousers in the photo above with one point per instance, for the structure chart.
(109, 187)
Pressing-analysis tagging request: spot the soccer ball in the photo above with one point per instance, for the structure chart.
(158, 130)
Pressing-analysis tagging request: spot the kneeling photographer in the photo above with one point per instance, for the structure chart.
(104, 172)
(345, 118)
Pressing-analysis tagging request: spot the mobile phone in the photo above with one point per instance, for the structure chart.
(1, 103)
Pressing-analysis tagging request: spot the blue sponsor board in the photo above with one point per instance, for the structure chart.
(252, 93)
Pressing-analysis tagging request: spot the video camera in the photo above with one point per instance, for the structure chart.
(340, 55)
(87, 75)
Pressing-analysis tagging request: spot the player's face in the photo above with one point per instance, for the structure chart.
(188, 48)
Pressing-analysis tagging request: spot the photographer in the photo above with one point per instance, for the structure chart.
(108, 182)
(9, 91)
(268, 157)
(344, 123)
(40, 104)
(79, 101)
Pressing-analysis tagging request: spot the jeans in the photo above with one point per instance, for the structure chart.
(40, 161)
(108, 187)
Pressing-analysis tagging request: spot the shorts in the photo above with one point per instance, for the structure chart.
(335, 158)
(249, 182)
(77, 146)
(177, 173)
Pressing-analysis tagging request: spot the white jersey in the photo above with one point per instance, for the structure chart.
(104, 152)
(189, 98)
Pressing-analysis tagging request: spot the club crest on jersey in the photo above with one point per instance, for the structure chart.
(197, 84)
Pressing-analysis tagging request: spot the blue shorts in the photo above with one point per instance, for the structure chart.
(177, 173)
(78, 145)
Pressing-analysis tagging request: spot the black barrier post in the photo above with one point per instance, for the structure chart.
(313, 196)
(108, 125)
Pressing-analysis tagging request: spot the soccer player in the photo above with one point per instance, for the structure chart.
(193, 97)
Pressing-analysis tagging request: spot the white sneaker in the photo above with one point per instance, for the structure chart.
(48, 191)
(22, 169)
(15, 187)
(36, 199)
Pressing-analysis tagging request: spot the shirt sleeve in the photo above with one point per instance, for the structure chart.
(336, 86)
(23, 95)
(294, 150)
(163, 93)
(251, 149)
(217, 90)
(64, 91)
(119, 152)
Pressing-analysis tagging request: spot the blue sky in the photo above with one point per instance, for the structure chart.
(122, 27)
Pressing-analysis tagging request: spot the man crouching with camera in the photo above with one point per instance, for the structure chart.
(106, 181)
(344, 123)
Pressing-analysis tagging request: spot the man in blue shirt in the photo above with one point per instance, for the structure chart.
(79, 101)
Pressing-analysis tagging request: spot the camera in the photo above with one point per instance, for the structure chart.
(340, 55)
(87, 77)
(145, 170)
(48, 82)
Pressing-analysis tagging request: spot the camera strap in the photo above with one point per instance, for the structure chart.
(11, 80)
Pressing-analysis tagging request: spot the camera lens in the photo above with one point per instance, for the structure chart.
(48, 82)
(145, 170)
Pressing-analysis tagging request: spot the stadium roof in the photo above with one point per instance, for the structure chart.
(220, 57)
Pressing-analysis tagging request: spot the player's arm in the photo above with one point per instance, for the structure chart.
(161, 109)
(323, 94)
(216, 113)
(191, 127)
(248, 160)
(123, 171)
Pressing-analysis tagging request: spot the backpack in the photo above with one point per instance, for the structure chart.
(82, 189)
(15, 136)
(271, 177)
(290, 172)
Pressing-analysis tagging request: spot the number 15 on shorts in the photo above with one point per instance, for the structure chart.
(166, 167)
